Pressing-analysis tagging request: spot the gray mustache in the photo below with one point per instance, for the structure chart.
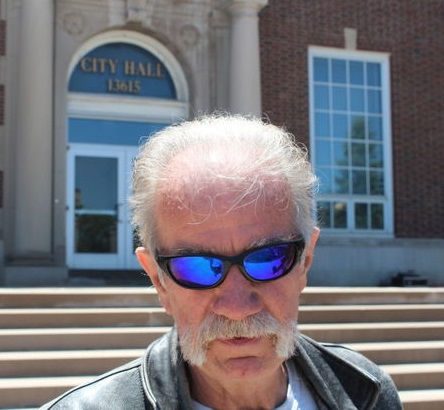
(220, 327)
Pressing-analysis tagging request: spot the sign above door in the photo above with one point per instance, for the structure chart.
(121, 68)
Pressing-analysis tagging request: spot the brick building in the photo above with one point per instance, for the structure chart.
(396, 223)
(360, 83)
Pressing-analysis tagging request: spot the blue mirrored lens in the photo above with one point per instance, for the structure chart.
(197, 270)
(206, 270)
(270, 263)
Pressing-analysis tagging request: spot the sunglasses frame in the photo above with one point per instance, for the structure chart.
(230, 261)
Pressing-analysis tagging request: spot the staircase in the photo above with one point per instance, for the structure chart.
(54, 339)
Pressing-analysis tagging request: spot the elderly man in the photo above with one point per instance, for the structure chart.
(225, 212)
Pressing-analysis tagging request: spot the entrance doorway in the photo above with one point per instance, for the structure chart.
(98, 215)
(123, 87)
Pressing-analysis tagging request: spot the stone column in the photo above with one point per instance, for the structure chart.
(34, 158)
(245, 81)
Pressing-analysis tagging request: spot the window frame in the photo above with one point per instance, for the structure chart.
(383, 59)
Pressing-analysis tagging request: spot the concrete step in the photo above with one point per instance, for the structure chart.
(75, 317)
(431, 399)
(28, 392)
(141, 296)
(416, 376)
(64, 363)
(79, 338)
(78, 297)
(407, 376)
(54, 339)
(156, 316)
(139, 337)
(374, 332)
(402, 352)
(371, 313)
(376, 295)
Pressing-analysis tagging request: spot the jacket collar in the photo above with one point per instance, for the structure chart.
(335, 382)
(164, 374)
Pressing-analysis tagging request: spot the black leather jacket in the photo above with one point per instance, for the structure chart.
(339, 379)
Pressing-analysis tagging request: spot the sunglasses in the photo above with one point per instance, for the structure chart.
(206, 270)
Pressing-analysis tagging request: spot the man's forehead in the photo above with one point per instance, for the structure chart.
(218, 181)
(203, 193)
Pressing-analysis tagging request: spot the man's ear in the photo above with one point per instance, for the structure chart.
(149, 265)
(309, 249)
(308, 260)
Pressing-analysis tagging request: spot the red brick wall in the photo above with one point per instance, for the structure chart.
(2, 37)
(2, 53)
(412, 32)
(2, 95)
(2, 104)
(1, 189)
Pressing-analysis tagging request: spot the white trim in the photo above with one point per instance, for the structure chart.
(148, 43)
(101, 106)
(358, 55)
(387, 200)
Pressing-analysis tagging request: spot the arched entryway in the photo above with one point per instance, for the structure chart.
(122, 87)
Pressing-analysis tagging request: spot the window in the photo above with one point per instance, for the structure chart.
(350, 140)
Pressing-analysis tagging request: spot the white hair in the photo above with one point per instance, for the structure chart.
(244, 150)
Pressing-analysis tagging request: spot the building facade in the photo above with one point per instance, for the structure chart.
(360, 83)
(82, 83)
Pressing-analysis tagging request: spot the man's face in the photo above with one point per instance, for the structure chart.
(214, 230)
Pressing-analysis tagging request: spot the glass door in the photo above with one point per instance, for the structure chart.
(99, 231)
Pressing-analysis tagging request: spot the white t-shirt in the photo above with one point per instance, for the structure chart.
(298, 395)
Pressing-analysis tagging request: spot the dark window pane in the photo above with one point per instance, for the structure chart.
(323, 152)
(374, 74)
(357, 127)
(95, 215)
(357, 99)
(339, 98)
(340, 215)
(340, 126)
(96, 183)
(374, 101)
(356, 72)
(377, 216)
(359, 182)
(338, 71)
(361, 220)
(341, 185)
(358, 155)
(376, 155)
(375, 128)
(95, 233)
(320, 66)
(321, 97)
(376, 183)
(340, 152)
(322, 125)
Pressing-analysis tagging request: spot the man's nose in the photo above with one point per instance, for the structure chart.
(237, 297)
